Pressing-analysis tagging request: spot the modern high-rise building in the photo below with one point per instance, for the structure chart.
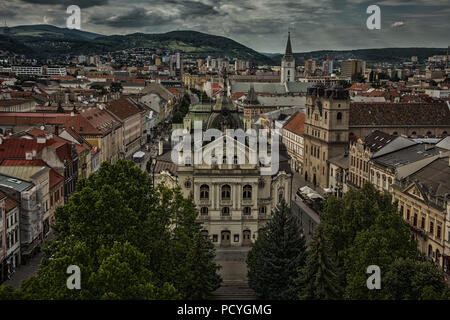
(327, 66)
(310, 66)
(351, 67)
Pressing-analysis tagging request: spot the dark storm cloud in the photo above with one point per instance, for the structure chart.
(259, 24)
(137, 17)
(66, 3)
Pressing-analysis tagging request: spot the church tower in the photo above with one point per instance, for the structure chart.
(288, 63)
(326, 131)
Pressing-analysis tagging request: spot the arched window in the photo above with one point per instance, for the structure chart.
(339, 116)
(339, 105)
(430, 251)
(280, 195)
(235, 160)
(351, 134)
(204, 192)
(326, 114)
(413, 133)
(444, 133)
(225, 211)
(226, 192)
(247, 194)
(395, 133)
(428, 133)
(247, 210)
(224, 159)
(204, 211)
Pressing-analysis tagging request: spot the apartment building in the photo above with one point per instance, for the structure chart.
(423, 201)
(130, 115)
(292, 137)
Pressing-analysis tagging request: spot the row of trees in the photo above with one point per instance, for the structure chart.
(113, 87)
(130, 241)
(182, 109)
(361, 229)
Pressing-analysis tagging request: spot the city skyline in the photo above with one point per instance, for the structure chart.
(260, 25)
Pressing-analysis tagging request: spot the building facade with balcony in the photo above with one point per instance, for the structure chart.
(423, 201)
(234, 200)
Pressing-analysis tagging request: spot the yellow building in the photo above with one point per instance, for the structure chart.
(326, 131)
(423, 201)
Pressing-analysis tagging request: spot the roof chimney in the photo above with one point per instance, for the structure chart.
(41, 140)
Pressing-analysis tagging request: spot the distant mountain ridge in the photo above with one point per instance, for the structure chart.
(50, 41)
(47, 41)
(369, 55)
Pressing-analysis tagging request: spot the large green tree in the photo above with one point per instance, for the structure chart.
(318, 279)
(117, 210)
(383, 242)
(276, 256)
(409, 279)
(364, 228)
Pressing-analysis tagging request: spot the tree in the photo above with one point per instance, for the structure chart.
(115, 87)
(318, 279)
(117, 272)
(10, 293)
(359, 77)
(276, 256)
(99, 88)
(383, 242)
(408, 279)
(343, 218)
(116, 210)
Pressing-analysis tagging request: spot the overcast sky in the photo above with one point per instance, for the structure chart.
(259, 24)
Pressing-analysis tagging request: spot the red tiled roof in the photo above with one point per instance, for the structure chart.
(174, 91)
(10, 203)
(32, 118)
(20, 94)
(237, 95)
(122, 108)
(296, 123)
(55, 177)
(14, 102)
(375, 113)
(16, 148)
(62, 77)
(101, 76)
(359, 87)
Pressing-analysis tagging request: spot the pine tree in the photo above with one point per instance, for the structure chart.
(319, 279)
(276, 256)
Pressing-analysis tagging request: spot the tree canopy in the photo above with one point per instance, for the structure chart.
(361, 229)
(276, 256)
(131, 241)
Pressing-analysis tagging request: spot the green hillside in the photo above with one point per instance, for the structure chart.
(48, 41)
(370, 55)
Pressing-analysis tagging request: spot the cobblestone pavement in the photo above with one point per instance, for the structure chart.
(25, 271)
